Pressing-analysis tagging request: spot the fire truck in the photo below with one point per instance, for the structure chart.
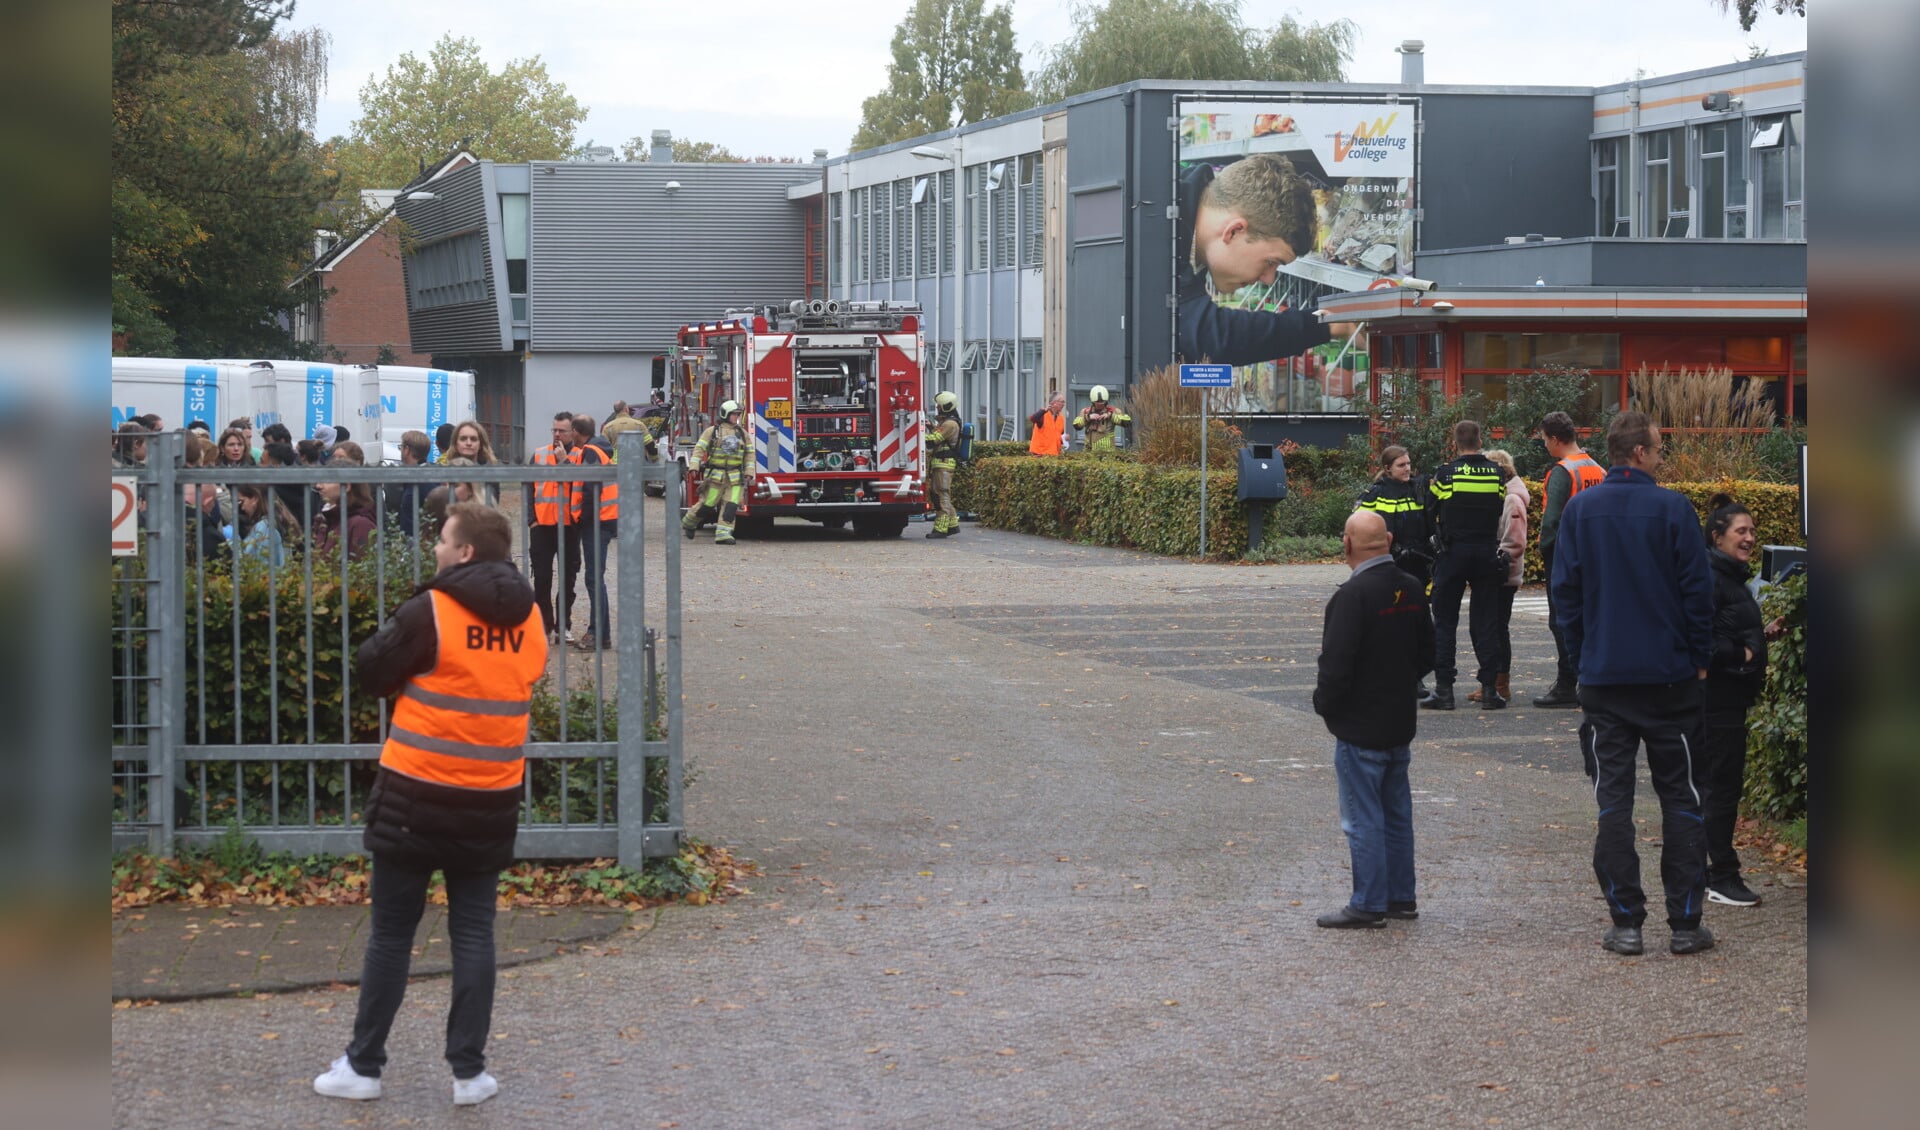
(830, 393)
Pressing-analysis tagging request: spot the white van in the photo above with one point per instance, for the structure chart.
(181, 390)
(303, 395)
(416, 399)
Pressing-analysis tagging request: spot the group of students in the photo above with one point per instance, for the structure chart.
(1488, 554)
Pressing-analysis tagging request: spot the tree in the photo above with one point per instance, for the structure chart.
(1125, 40)
(695, 152)
(215, 185)
(1749, 10)
(424, 109)
(954, 62)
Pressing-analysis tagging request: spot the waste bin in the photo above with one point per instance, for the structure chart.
(1263, 480)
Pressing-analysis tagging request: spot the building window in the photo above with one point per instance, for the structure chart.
(1665, 184)
(858, 238)
(903, 229)
(977, 230)
(1032, 211)
(1723, 182)
(448, 273)
(881, 209)
(926, 232)
(946, 223)
(1778, 170)
(513, 237)
(836, 243)
(1609, 201)
(1006, 231)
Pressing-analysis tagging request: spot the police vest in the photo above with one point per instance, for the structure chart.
(464, 722)
(1583, 472)
(609, 492)
(547, 495)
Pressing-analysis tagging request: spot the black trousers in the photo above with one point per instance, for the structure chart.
(543, 547)
(1667, 718)
(1565, 675)
(1462, 566)
(1503, 631)
(399, 897)
(1725, 778)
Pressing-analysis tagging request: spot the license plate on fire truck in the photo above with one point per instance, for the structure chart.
(779, 408)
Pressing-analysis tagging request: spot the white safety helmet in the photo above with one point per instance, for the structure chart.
(729, 408)
(946, 401)
(1098, 394)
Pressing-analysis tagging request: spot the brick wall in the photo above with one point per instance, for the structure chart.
(368, 307)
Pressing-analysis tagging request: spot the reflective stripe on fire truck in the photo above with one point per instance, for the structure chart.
(771, 438)
(901, 446)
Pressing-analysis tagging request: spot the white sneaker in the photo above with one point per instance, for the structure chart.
(342, 1082)
(472, 1092)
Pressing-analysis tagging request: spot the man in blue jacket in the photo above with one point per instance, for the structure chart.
(1634, 597)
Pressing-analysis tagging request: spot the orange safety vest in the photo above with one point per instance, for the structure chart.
(609, 492)
(1047, 435)
(546, 496)
(1583, 471)
(464, 722)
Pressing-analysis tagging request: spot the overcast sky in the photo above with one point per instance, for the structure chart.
(782, 78)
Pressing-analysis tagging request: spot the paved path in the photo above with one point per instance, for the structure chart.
(1045, 828)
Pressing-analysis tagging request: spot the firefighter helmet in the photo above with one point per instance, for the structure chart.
(1098, 394)
(946, 402)
(729, 408)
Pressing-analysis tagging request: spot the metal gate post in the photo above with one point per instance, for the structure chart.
(167, 615)
(676, 716)
(630, 649)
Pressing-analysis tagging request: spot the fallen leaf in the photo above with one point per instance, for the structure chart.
(1333, 1078)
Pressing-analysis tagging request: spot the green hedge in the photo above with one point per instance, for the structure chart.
(1114, 500)
(1776, 785)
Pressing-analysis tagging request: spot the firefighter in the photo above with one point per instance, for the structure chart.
(943, 448)
(1100, 418)
(722, 450)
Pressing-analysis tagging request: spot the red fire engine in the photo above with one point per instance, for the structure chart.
(831, 393)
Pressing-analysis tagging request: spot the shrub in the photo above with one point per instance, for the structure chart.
(1166, 424)
(1777, 454)
(1413, 414)
(1683, 400)
(1530, 397)
(1776, 785)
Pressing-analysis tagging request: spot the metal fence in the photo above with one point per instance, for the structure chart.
(234, 702)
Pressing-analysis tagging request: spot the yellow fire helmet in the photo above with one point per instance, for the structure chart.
(1098, 394)
(729, 408)
(946, 402)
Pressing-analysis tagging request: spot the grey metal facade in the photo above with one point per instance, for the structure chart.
(467, 203)
(618, 261)
(1624, 262)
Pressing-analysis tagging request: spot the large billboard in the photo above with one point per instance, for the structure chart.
(1280, 202)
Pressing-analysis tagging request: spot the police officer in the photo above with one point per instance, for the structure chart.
(943, 450)
(722, 450)
(1100, 418)
(1468, 496)
(1401, 499)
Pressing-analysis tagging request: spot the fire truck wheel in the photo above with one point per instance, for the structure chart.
(834, 523)
(753, 527)
(880, 525)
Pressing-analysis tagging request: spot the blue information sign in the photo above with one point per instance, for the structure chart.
(1206, 376)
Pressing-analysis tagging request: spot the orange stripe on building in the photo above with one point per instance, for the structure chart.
(1659, 103)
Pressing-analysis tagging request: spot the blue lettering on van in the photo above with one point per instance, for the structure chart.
(389, 404)
(201, 400)
(122, 415)
(319, 397)
(437, 393)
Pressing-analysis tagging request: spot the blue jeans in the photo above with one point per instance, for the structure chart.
(1376, 813)
(595, 540)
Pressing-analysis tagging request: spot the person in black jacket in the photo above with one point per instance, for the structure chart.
(1469, 495)
(463, 655)
(1235, 229)
(1735, 675)
(1376, 644)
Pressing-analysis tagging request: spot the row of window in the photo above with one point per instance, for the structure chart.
(979, 356)
(906, 228)
(448, 273)
(1735, 179)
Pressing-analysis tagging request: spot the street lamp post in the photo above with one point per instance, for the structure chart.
(955, 157)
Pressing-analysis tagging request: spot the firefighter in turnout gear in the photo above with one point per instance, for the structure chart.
(943, 449)
(722, 450)
(1469, 495)
(1100, 418)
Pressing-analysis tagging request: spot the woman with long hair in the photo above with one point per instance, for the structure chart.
(347, 453)
(1512, 542)
(470, 442)
(1736, 672)
(348, 507)
(233, 450)
(263, 526)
